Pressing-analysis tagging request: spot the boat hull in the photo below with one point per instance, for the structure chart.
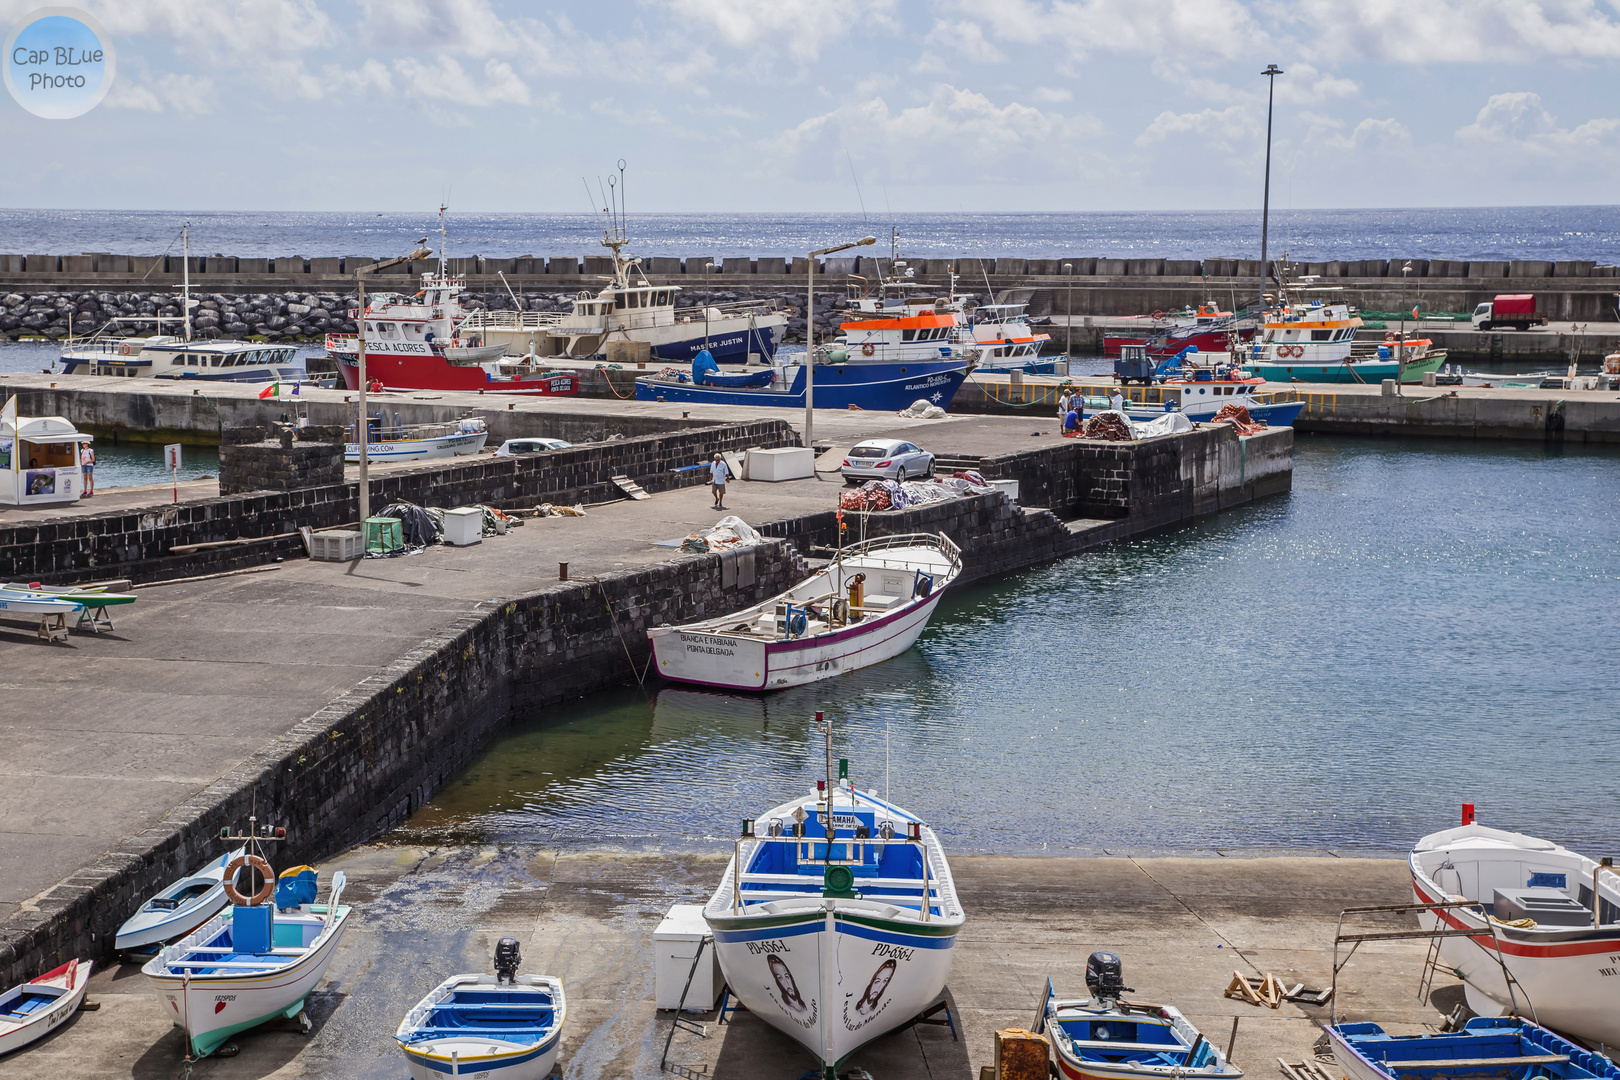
(1160, 348)
(67, 984)
(830, 981)
(874, 387)
(211, 1008)
(400, 371)
(506, 1056)
(419, 449)
(149, 927)
(1365, 371)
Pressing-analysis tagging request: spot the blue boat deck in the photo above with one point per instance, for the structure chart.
(1505, 1047)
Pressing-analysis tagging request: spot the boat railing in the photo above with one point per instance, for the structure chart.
(943, 543)
(854, 851)
(384, 431)
(512, 320)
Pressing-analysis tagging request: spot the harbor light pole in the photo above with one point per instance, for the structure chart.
(810, 339)
(362, 429)
(1271, 73)
(1068, 316)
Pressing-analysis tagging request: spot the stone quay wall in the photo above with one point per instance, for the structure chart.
(280, 458)
(138, 544)
(362, 764)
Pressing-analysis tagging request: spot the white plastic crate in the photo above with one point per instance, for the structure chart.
(338, 545)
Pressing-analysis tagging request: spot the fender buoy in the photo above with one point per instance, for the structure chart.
(867, 350)
(1389, 335)
(266, 891)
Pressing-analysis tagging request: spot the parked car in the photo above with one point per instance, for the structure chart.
(513, 447)
(886, 459)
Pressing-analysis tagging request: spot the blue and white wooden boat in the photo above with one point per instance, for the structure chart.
(29, 1011)
(177, 909)
(874, 386)
(251, 964)
(482, 1025)
(1105, 1037)
(835, 940)
(420, 442)
(1499, 1048)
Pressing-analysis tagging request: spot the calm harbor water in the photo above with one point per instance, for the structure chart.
(1503, 232)
(1417, 625)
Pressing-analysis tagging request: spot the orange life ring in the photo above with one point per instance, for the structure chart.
(124, 349)
(1299, 350)
(1158, 315)
(867, 349)
(266, 891)
(1389, 335)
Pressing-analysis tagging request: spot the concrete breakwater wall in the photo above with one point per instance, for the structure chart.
(132, 410)
(363, 763)
(139, 544)
(1555, 417)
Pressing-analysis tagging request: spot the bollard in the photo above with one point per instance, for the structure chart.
(562, 571)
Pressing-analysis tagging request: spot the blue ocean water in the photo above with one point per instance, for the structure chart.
(1417, 625)
(1525, 232)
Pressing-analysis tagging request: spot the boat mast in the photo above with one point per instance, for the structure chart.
(185, 270)
(444, 244)
(825, 727)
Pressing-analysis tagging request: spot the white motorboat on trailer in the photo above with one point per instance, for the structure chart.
(835, 939)
(506, 1026)
(1105, 1037)
(257, 961)
(32, 1010)
(1537, 918)
(869, 604)
(178, 908)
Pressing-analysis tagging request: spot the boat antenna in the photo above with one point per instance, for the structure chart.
(859, 197)
(444, 242)
(825, 727)
(886, 760)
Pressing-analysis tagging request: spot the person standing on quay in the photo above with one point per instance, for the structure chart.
(87, 463)
(718, 475)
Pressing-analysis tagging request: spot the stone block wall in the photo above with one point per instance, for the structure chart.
(279, 458)
(363, 763)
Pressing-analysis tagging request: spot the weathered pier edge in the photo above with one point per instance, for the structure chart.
(363, 763)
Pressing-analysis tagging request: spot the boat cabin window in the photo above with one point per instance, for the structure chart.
(191, 359)
(178, 361)
(908, 335)
(1321, 335)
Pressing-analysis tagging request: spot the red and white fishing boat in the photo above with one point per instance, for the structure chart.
(416, 343)
(1547, 916)
(32, 1010)
(867, 606)
(1206, 327)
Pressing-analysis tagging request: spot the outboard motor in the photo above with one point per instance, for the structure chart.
(507, 960)
(1105, 976)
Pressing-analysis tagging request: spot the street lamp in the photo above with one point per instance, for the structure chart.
(1271, 73)
(810, 337)
(1068, 316)
(363, 428)
(708, 268)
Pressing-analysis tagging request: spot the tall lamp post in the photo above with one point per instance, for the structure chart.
(1271, 73)
(810, 337)
(363, 428)
(1068, 316)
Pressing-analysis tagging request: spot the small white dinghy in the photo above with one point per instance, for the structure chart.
(177, 909)
(34, 1009)
(254, 963)
(867, 606)
(505, 1026)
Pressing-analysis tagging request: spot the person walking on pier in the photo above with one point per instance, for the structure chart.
(718, 474)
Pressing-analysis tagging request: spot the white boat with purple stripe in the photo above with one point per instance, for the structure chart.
(868, 605)
(836, 939)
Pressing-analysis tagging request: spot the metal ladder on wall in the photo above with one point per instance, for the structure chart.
(681, 1023)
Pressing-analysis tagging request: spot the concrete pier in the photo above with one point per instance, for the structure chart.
(1181, 925)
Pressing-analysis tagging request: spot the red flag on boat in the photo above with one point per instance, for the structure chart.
(273, 390)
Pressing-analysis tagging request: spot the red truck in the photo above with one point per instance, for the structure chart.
(1517, 311)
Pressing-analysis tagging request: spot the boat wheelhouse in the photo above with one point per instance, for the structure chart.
(1005, 341)
(176, 359)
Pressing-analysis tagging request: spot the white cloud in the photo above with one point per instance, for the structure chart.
(1451, 31)
(244, 27)
(1053, 94)
(188, 94)
(1227, 128)
(966, 38)
(1212, 29)
(917, 144)
(805, 27)
(1518, 122)
(445, 80)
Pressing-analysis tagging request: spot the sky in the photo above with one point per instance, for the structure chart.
(823, 105)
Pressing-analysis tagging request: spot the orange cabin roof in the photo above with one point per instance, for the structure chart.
(913, 322)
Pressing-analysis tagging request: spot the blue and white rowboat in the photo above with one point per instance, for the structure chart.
(836, 944)
(32, 1010)
(1500, 1048)
(475, 1025)
(178, 908)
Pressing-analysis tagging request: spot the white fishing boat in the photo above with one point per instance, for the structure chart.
(254, 963)
(1105, 1037)
(420, 442)
(867, 605)
(835, 939)
(28, 603)
(32, 1010)
(1537, 922)
(504, 1026)
(177, 909)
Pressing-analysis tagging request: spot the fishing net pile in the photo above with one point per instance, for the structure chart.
(727, 533)
(890, 495)
(1238, 416)
(1108, 426)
